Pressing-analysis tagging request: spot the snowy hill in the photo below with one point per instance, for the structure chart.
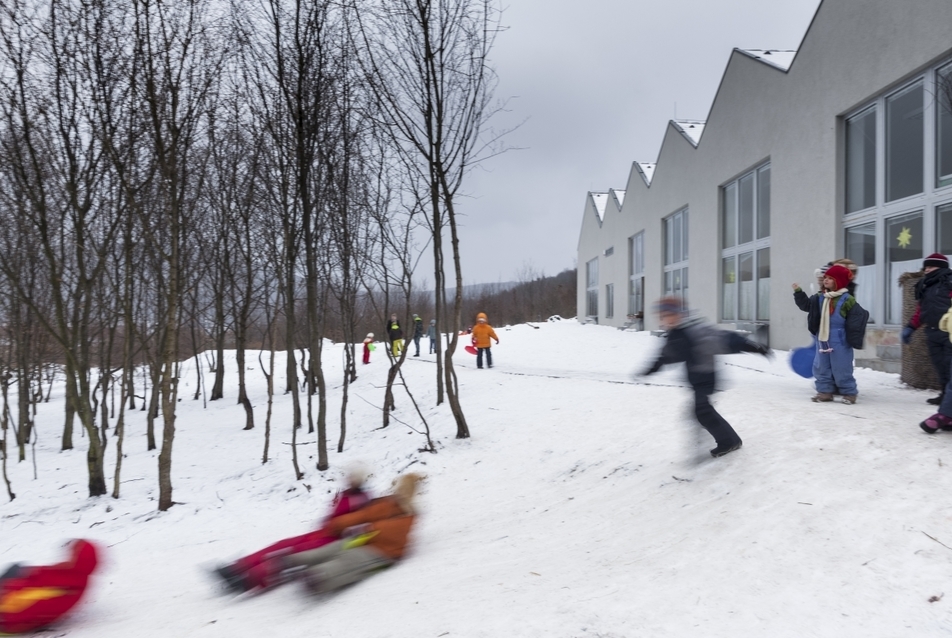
(584, 505)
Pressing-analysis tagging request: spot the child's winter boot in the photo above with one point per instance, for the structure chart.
(822, 397)
(935, 423)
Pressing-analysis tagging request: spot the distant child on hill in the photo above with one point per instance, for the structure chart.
(695, 342)
(482, 333)
(395, 334)
(431, 333)
(417, 333)
(368, 346)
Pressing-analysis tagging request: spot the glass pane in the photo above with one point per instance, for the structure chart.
(676, 288)
(639, 266)
(763, 284)
(745, 209)
(943, 143)
(943, 216)
(729, 298)
(609, 300)
(745, 294)
(667, 282)
(684, 229)
(684, 285)
(861, 161)
(903, 254)
(676, 255)
(904, 139)
(591, 273)
(668, 240)
(763, 202)
(861, 248)
(730, 216)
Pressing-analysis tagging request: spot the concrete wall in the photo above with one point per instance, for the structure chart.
(853, 51)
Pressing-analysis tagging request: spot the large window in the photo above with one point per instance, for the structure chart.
(897, 185)
(861, 161)
(861, 248)
(943, 138)
(745, 255)
(676, 254)
(591, 288)
(903, 254)
(904, 143)
(636, 275)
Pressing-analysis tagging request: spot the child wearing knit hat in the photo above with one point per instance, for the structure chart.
(840, 327)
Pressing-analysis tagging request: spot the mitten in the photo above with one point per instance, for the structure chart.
(907, 334)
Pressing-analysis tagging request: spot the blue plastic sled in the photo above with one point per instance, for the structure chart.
(801, 360)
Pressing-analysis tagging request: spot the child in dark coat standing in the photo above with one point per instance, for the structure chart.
(695, 342)
(933, 299)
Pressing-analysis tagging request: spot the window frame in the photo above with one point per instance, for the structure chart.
(677, 223)
(733, 250)
(591, 288)
(934, 195)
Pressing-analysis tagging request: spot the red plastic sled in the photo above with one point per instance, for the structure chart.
(34, 597)
(471, 349)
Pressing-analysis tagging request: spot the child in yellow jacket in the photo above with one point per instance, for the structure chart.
(482, 333)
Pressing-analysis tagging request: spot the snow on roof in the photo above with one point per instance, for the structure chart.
(647, 171)
(691, 129)
(619, 197)
(774, 57)
(599, 199)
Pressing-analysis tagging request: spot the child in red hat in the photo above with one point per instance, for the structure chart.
(841, 327)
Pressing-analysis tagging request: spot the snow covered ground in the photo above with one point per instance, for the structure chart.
(584, 505)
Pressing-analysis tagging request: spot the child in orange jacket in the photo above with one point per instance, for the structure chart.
(482, 333)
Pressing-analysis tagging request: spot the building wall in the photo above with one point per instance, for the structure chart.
(854, 50)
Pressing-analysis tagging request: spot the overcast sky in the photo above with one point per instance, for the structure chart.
(596, 83)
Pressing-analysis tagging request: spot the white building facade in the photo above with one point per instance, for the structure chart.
(841, 149)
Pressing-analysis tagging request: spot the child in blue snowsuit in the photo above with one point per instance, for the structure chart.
(840, 326)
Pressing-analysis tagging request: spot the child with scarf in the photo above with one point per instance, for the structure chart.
(839, 326)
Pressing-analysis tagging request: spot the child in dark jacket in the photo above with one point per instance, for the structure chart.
(695, 342)
(933, 299)
(839, 324)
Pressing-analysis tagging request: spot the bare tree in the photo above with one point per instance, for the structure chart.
(180, 61)
(428, 64)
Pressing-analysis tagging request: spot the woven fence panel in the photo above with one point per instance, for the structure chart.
(917, 368)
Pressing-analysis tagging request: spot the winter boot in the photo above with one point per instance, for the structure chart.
(721, 450)
(936, 400)
(849, 399)
(822, 397)
(935, 423)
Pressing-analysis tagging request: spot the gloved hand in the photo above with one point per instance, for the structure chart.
(907, 334)
(760, 348)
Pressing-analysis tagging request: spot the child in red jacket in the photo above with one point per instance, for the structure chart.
(257, 571)
(34, 597)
